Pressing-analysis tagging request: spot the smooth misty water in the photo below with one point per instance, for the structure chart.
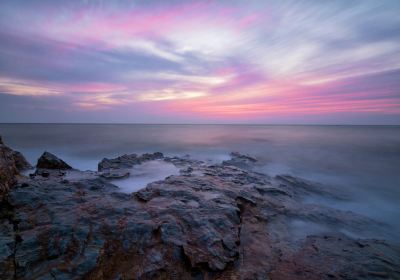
(148, 172)
(362, 161)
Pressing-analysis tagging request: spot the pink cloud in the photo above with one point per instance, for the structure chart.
(93, 87)
(93, 25)
(286, 98)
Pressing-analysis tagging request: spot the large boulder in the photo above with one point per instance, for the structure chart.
(50, 161)
(11, 163)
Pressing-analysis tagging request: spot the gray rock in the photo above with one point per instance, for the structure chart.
(127, 161)
(115, 175)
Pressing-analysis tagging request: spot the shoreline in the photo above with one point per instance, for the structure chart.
(218, 221)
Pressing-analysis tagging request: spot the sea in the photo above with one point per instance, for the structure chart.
(363, 162)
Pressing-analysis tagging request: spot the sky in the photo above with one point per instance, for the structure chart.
(261, 62)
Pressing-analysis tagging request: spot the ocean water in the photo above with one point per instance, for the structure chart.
(363, 162)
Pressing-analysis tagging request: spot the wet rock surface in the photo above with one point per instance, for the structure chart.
(11, 163)
(239, 160)
(210, 222)
(127, 161)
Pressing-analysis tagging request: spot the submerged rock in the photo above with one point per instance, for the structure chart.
(49, 161)
(11, 163)
(212, 222)
(239, 160)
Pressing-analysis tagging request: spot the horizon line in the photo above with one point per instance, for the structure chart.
(238, 124)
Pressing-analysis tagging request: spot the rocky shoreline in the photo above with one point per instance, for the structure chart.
(212, 221)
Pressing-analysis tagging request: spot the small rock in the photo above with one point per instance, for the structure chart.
(240, 161)
(115, 175)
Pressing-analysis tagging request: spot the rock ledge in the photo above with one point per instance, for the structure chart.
(210, 222)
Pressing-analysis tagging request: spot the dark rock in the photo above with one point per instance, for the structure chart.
(339, 257)
(11, 163)
(45, 174)
(243, 157)
(212, 222)
(115, 175)
(241, 161)
(50, 161)
(127, 161)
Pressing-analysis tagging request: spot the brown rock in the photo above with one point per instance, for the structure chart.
(11, 163)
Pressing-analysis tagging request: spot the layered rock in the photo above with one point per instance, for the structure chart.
(11, 163)
(211, 222)
(127, 161)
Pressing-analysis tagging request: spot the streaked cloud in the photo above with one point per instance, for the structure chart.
(25, 88)
(259, 61)
(171, 95)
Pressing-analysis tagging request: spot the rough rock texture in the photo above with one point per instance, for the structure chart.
(11, 163)
(241, 161)
(210, 222)
(127, 161)
(50, 161)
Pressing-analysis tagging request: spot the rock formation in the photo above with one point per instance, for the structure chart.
(11, 163)
(211, 222)
(49, 161)
(127, 161)
(239, 160)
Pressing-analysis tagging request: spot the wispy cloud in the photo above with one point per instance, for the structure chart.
(219, 60)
